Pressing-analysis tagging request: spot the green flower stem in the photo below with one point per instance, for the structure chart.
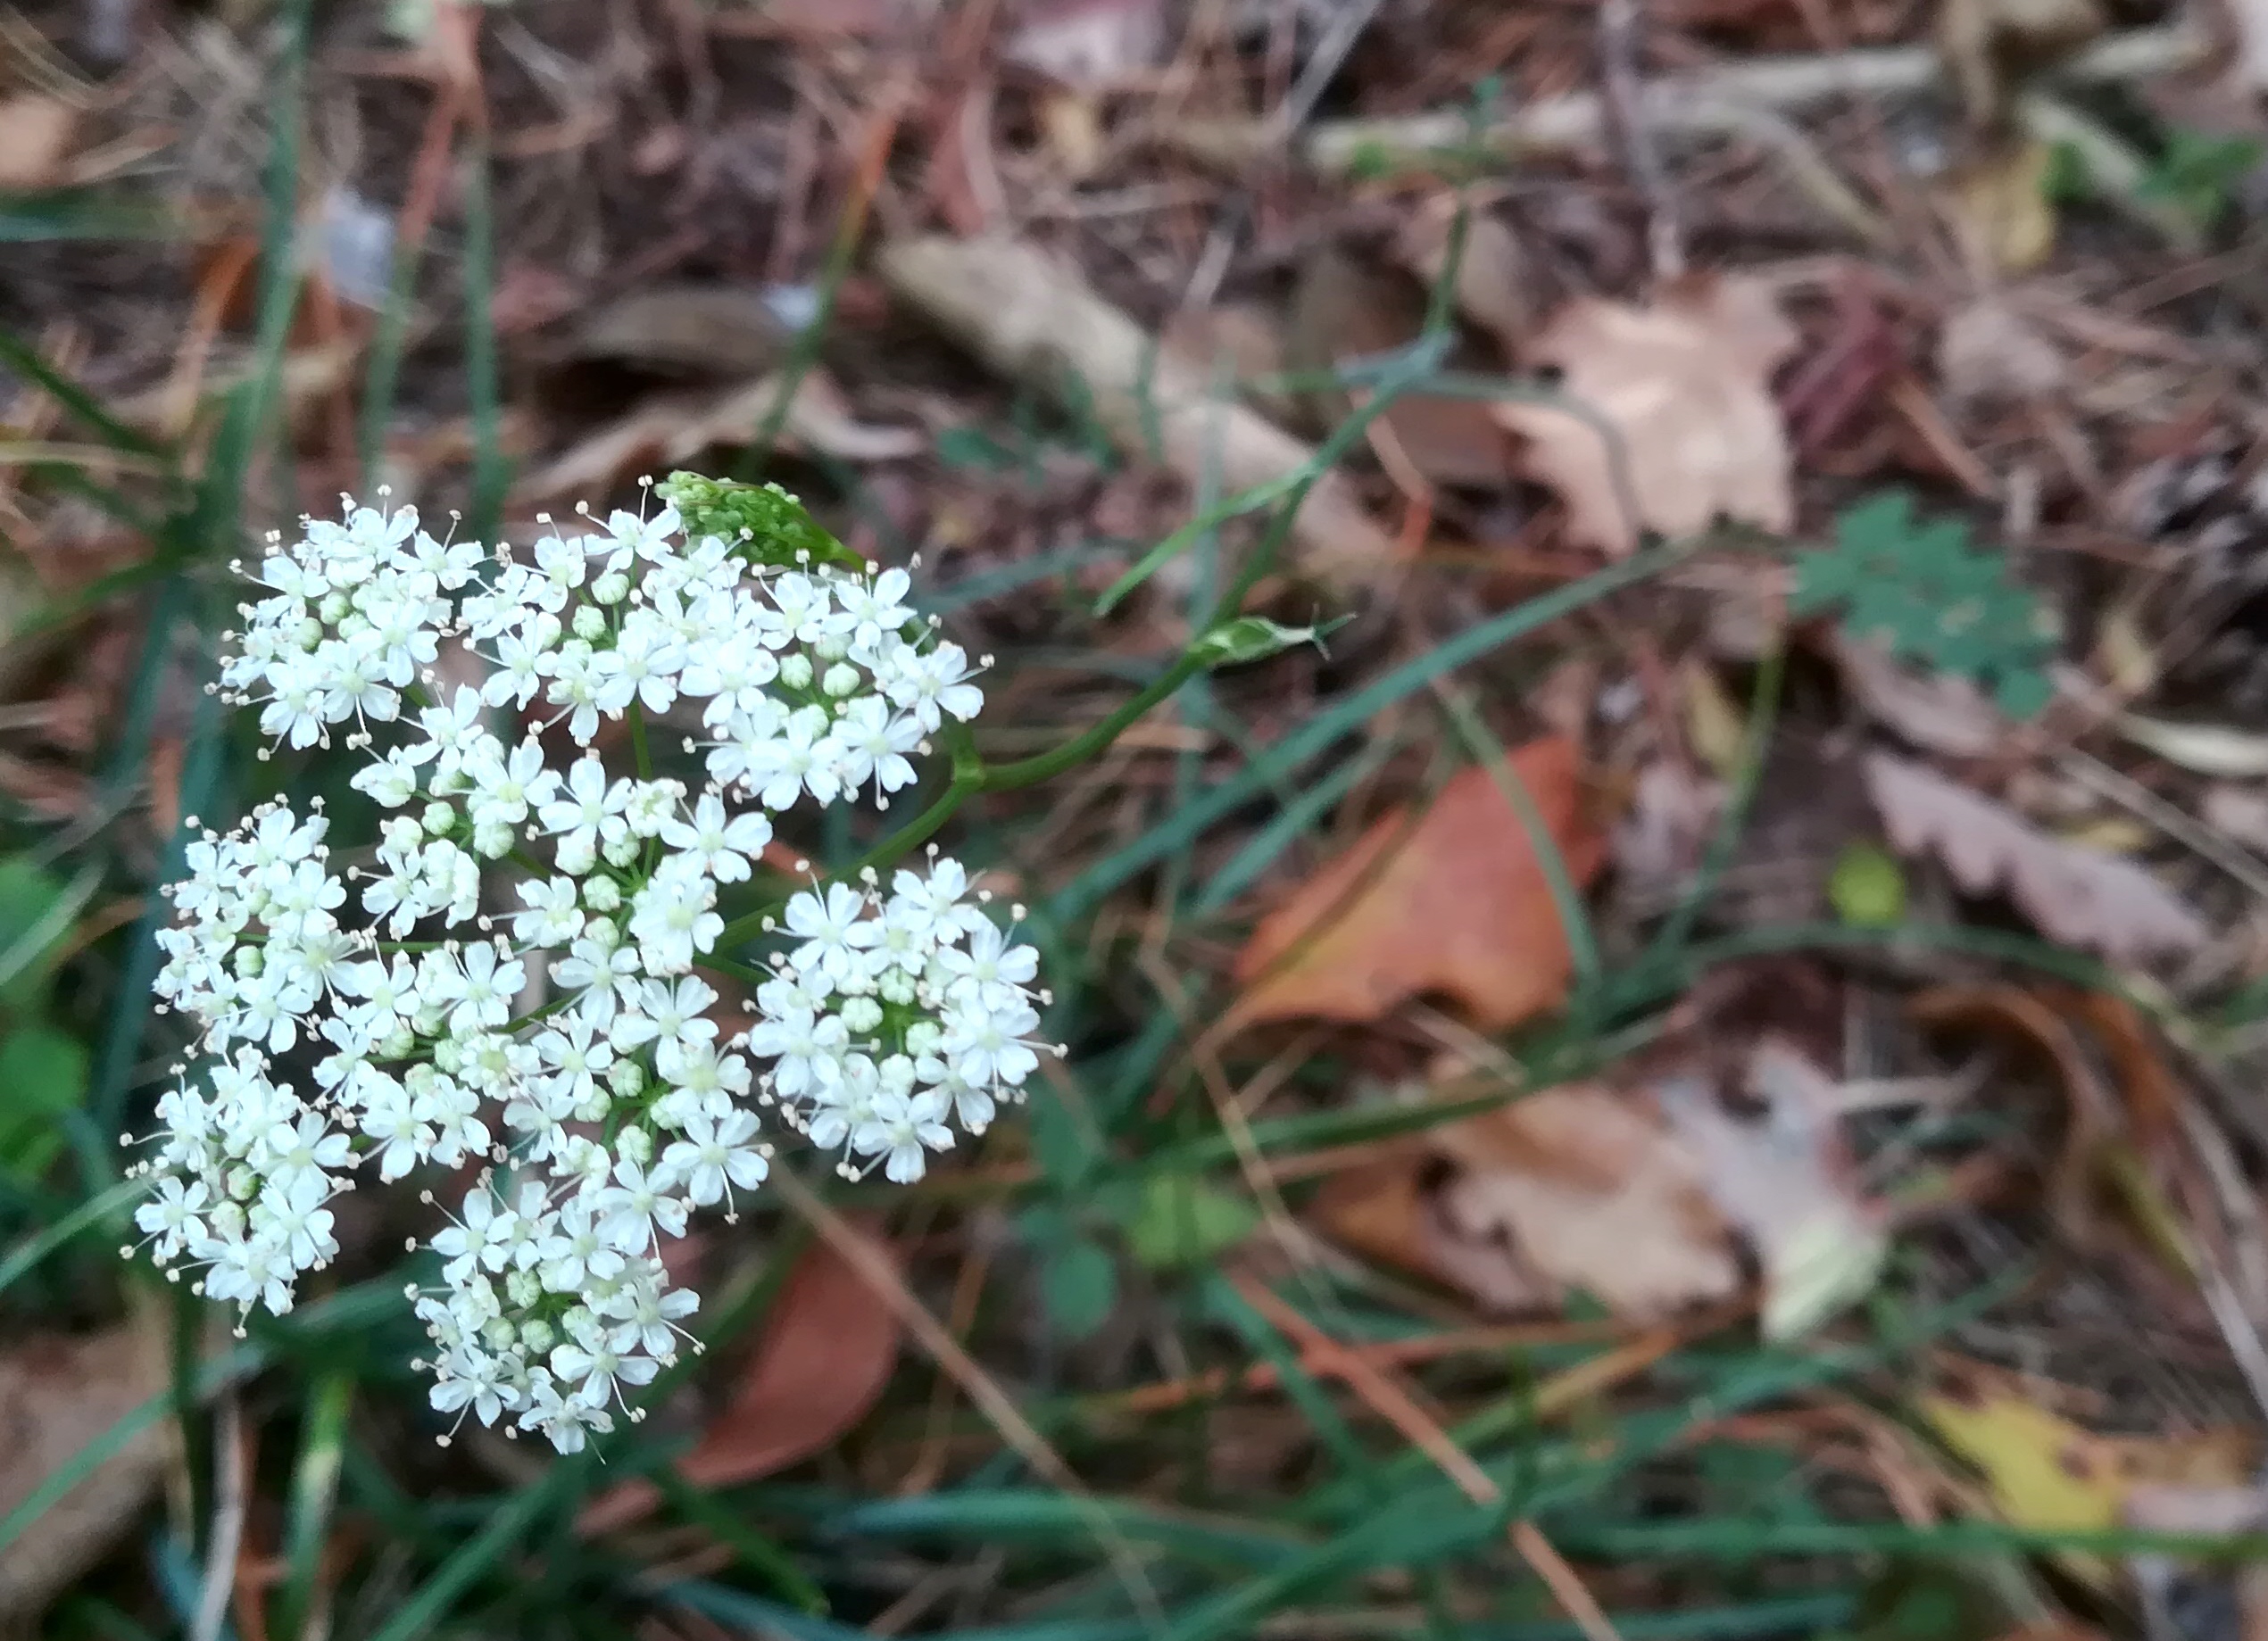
(636, 717)
(971, 776)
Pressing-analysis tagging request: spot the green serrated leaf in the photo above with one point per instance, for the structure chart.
(1079, 1282)
(1182, 1221)
(770, 526)
(1919, 587)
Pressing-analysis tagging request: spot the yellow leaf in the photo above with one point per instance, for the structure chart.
(2047, 1473)
(2001, 210)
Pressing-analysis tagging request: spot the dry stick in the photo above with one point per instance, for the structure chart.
(1686, 105)
(1400, 1410)
(1170, 1393)
(874, 1268)
(227, 1519)
(1618, 26)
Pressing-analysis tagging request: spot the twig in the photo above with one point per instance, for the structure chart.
(1618, 26)
(1323, 65)
(1686, 106)
(227, 1519)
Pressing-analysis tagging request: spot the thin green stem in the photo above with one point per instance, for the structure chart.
(638, 749)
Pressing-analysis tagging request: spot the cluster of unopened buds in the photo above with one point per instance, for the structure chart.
(518, 999)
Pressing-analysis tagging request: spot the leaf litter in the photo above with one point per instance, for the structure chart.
(1998, 328)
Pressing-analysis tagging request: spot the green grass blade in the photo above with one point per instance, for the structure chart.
(1279, 761)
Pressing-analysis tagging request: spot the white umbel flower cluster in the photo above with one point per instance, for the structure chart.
(563, 1050)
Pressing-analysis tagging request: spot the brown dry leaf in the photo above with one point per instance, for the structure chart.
(1457, 903)
(670, 429)
(1495, 284)
(1786, 1183)
(2074, 895)
(1633, 1195)
(1686, 384)
(828, 1348)
(1089, 44)
(1586, 1187)
(36, 133)
(1235, 344)
(1988, 353)
(1937, 712)
(57, 1393)
(713, 331)
(2002, 215)
(1990, 45)
(1342, 311)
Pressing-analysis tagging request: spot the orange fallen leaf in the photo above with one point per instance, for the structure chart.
(1456, 904)
(1686, 384)
(825, 1357)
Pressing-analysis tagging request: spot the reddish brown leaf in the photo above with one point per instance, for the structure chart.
(1457, 904)
(826, 1355)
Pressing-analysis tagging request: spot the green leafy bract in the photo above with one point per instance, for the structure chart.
(1917, 586)
(771, 527)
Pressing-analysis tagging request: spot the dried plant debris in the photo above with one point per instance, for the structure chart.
(1453, 900)
(2074, 895)
(1668, 422)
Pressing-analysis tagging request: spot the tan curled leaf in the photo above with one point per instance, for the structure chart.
(1584, 1187)
(36, 133)
(826, 1354)
(57, 1395)
(1457, 903)
(1787, 1183)
(1685, 384)
(1988, 354)
(2074, 895)
(1938, 712)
